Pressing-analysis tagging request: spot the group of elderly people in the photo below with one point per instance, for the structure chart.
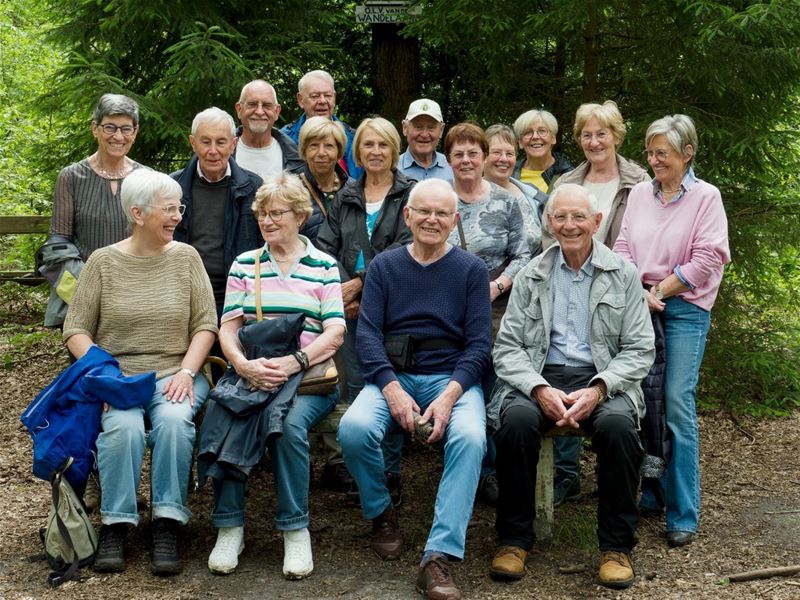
(334, 247)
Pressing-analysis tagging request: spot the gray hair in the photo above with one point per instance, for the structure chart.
(116, 104)
(572, 189)
(213, 115)
(246, 86)
(529, 118)
(318, 74)
(143, 187)
(679, 132)
(428, 186)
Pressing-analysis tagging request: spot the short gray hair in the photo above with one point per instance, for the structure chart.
(116, 104)
(245, 87)
(213, 115)
(427, 186)
(318, 74)
(529, 118)
(573, 189)
(143, 187)
(679, 132)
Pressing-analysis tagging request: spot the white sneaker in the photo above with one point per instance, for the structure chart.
(297, 562)
(225, 555)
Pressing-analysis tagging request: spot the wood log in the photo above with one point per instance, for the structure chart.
(762, 574)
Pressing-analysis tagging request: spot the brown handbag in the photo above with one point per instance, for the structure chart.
(318, 380)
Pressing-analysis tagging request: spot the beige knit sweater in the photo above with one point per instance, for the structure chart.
(144, 310)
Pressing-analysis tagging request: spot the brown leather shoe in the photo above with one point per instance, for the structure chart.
(435, 582)
(616, 570)
(508, 563)
(387, 541)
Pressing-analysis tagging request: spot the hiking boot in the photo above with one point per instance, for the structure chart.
(395, 486)
(225, 555)
(508, 563)
(166, 559)
(110, 557)
(616, 570)
(387, 541)
(91, 495)
(488, 491)
(297, 560)
(336, 477)
(566, 489)
(435, 582)
(676, 539)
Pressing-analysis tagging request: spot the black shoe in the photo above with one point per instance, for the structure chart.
(676, 539)
(395, 485)
(336, 477)
(110, 557)
(488, 490)
(166, 558)
(566, 489)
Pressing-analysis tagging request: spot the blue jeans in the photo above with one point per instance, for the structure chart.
(368, 421)
(120, 450)
(290, 468)
(567, 457)
(685, 329)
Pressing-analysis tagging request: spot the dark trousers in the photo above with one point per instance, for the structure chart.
(613, 430)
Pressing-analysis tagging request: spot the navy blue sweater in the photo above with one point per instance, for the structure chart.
(446, 299)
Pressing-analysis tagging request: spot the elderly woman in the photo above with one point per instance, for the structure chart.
(498, 169)
(294, 276)
(322, 145)
(676, 233)
(600, 130)
(492, 227)
(536, 132)
(146, 300)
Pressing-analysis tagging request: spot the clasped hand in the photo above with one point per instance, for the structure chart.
(567, 409)
(267, 373)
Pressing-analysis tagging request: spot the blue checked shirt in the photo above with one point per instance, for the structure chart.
(569, 333)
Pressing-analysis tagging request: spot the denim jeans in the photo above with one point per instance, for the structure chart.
(567, 456)
(368, 421)
(290, 469)
(685, 329)
(120, 450)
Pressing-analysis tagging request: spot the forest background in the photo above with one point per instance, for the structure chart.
(734, 66)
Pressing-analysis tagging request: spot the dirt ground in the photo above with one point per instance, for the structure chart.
(750, 520)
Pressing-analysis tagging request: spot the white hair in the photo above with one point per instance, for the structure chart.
(318, 74)
(246, 87)
(213, 115)
(430, 186)
(143, 187)
(572, 189)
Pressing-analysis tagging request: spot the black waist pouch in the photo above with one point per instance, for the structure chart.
(400, 351)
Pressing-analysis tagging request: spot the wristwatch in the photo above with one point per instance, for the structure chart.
(500, 287)
(189, 372)
(657, 292)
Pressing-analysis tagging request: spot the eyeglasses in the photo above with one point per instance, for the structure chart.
(600, 136)
(254, 104)
(426, 213)
(111, 129)
(500, 154)
(541, 132)
(172, 209)
(659, 154)
(274, 215)
(562, 218)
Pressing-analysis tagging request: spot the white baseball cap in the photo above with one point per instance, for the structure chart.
(423, 106)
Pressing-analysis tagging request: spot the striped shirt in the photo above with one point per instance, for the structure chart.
(570, 343)
(85, 211)
(312, 287)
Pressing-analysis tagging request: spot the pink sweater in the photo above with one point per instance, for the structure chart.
(691, 233)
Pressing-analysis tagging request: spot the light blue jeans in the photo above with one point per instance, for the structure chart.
(685, 329)
(368, 421)
(120, 450)
(289, 454)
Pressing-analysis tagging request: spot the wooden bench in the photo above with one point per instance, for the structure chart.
(27, 224)
(544, 525)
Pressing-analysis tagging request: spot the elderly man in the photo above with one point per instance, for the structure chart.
(261, 147)
(316, 95)
(423, 127)
(217, 193)
(423, 340)
(574, 345)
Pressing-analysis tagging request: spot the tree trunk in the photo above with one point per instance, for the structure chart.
(396, 74)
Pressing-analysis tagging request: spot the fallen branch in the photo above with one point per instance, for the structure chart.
(761, 574)
(782, 512)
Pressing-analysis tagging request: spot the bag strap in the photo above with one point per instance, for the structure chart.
(461, 236)
(259, 313)
(366, 247)
(56, 578)
(314, 194)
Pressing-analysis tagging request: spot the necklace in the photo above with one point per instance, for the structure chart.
(288, 258)
(120, 174)
(665, 191)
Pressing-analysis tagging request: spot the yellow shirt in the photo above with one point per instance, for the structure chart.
(534, 178)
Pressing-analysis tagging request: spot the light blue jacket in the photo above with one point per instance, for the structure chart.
(621, 333)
